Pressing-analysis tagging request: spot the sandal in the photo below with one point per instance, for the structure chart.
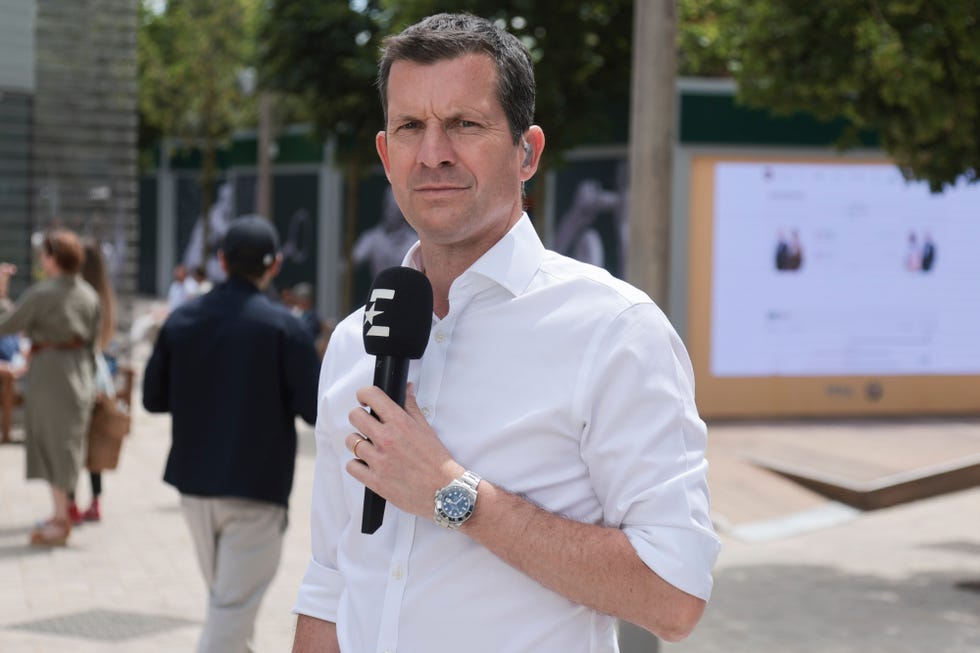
(93, 513)
(52, 533)
(74, 514)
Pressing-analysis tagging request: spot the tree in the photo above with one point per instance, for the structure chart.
(190, 58)
(701, 52)
(325, 54)
(906, 70)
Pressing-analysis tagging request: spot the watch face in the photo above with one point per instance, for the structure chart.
(456, 503)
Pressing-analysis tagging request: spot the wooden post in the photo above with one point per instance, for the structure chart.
(652, 120)
(263, 192)
(652, 116)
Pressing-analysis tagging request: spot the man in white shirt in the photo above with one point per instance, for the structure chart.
(553, 407)
(182, 288)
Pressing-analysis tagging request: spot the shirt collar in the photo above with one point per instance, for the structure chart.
(512, 262)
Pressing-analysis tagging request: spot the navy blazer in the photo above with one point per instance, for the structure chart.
(234, 369)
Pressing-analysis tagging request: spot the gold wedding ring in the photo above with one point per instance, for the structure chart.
(360, 439)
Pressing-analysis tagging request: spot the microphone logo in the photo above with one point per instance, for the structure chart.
(372, 312)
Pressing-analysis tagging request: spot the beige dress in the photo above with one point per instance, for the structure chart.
(60, 386)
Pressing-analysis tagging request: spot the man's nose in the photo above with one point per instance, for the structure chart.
(436, 149)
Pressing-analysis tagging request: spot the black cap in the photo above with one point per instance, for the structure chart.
(398, 314)
(250, 245)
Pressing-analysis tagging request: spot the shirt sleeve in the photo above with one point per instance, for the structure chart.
(156, 377)
(645, 446)
(301, 368)
(322, 584)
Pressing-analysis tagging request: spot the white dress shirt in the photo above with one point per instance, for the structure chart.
(551, 379)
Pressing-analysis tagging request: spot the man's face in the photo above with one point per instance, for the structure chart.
(448, 153)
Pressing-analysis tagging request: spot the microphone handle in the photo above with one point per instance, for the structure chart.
(391, 375)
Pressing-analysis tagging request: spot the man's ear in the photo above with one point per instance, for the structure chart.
(270, 273)
(533, 146)
(273, 270)
(381, 144)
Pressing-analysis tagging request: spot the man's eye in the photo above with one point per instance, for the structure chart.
(460, 123)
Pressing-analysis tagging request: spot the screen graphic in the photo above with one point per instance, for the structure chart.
(838, 269)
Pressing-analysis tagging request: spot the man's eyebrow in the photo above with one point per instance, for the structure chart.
(460, 114)
(402, 117)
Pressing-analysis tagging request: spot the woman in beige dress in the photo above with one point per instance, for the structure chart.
(61, 316)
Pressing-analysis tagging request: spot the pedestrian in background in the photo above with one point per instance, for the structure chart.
(182, 288)
(60, 315)
(201, 281)
(13, 365)
(95, 272)
(234, 369)
(302, 297)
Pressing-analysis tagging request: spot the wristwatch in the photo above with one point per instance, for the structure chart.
(455, 502)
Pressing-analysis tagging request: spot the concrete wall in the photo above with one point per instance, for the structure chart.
(84, 132)
(17, 83)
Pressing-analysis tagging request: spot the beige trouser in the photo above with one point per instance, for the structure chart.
(238, 544)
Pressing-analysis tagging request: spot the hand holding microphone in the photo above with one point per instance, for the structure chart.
(397, 321)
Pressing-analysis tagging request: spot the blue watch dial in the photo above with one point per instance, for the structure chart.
(456, 503)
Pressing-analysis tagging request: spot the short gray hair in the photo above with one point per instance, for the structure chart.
(447, 36)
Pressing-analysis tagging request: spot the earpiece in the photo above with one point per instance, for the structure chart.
(528, 154)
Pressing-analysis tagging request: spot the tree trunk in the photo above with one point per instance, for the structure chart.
(263, 192)
(652, 116)
(208, 174)
(352, 178)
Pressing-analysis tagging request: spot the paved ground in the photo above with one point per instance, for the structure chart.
(797, 573)
(129, 583)
(822, 577)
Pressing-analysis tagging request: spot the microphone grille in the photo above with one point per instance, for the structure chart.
(398, 314)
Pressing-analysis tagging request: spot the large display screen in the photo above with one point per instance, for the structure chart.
(836, 271)
(843, 269)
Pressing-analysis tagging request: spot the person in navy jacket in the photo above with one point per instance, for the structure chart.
(234, 369)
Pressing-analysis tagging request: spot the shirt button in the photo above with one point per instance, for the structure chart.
(425, 411)
(397, 573)
(440, 336)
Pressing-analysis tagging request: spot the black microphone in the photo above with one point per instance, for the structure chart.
(397, 321)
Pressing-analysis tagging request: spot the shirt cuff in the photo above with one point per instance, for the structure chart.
(684, 559)
(319, 592)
